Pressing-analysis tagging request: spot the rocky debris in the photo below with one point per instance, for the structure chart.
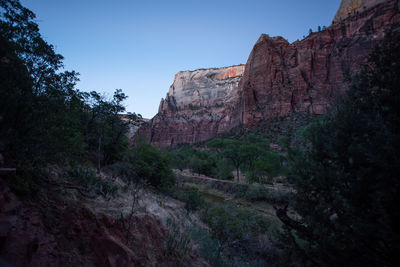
(280, 79)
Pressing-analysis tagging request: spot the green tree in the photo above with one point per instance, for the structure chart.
(151, 165)
(37, 99)
(104, 130)
(44, 117)
(347, 179)
(233, 151)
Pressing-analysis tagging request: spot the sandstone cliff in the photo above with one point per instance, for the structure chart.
(353, 7)
(279, 79)
(307, 76)
(199, 105)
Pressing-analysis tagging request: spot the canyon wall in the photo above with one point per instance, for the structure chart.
(199, 105)
(354, 7)
(307, 76)
(279, 79)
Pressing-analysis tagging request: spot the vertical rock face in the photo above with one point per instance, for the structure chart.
(352, 7)
(278, 80)
(307, 76)
(199, 105)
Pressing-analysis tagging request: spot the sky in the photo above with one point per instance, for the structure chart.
(138, 46)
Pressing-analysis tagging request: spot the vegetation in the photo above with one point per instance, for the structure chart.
(256, 193)
(239, 232)
(44, 118)
(190, 196)
(219, 157)
(347, 176)
(88, 179)
(342, 211)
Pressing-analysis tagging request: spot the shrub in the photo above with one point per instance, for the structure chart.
(150, 165)
(178, 241)
(224, 170)
(190, 196)
(236, 228)
(89, 180)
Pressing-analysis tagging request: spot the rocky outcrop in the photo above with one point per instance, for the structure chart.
(133, 122)
(280, 79)
(199, 105)
(54, 230)
(307, 76)
(354, 7)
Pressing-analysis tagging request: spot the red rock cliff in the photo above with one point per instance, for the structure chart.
(279, 78)
(199, 105)
(308, 75)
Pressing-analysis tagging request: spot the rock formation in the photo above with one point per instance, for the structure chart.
(353, 7)
(279, 79)
(134, 122)
(199, 105)
(307, 76)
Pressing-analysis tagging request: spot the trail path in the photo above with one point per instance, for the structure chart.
(188, 174)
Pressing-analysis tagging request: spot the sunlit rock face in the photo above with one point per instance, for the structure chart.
(309, 75)
(199, 105)
(354, 7)
(278, 80)
(203, 88)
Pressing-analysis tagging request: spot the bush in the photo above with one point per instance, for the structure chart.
(89, 180)
(261, 193)
(178, 241)
(236, 228)
(23, 186)
(224, 170)
(150, 165)
(191, 197)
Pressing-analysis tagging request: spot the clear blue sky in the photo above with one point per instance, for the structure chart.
(139, 46)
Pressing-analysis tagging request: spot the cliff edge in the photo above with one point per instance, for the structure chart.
(279, 79)
(351, 7)
(199, 105)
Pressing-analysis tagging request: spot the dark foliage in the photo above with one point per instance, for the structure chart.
(43, 117)
(347, 178)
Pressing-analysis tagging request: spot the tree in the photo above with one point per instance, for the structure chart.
(347, 179)
(151, 165)
(233, 151)
(104, 130)
(44, 117)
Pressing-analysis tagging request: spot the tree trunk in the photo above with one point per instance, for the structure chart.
(98, 156)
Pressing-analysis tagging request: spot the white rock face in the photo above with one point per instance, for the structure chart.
(199, 105)
(349, 7)
(204, 87)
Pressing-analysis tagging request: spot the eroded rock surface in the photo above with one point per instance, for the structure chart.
(354, 7)
(280, 79)
(307, 76)
(199, 105)
(59, 227)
